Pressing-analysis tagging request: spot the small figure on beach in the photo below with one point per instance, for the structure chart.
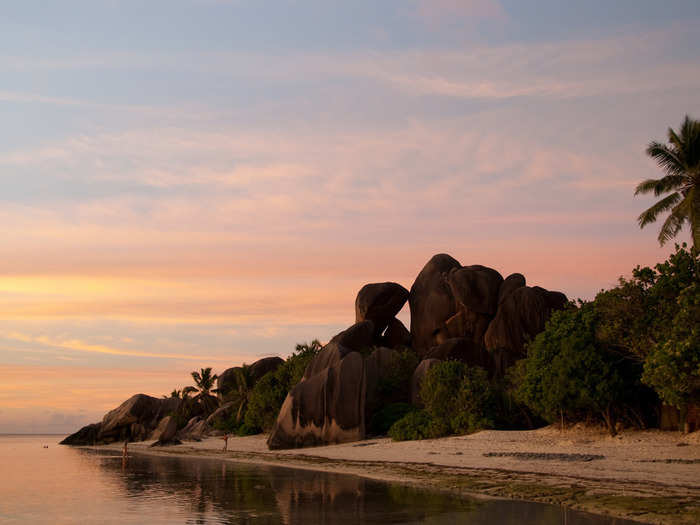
(125, 450)
(225, 438)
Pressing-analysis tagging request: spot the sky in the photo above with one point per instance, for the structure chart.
(192, 183)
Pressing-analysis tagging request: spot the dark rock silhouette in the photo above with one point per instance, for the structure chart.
(164, 434)
(195, 430)
(396, 335)
(461, 349)
(521, 315)
(466, 313)
(262, 366)
(326, 407)
(88, 435)
(358, 338)
(512, 282)
(228, 381)
(431, 302)
(379, 303)
(134, 420)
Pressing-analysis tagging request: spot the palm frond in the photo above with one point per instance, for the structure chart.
(662, 185)
(667, 158)
(665, 204)
(672, 225)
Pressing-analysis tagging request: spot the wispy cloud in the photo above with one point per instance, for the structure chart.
(81, 346)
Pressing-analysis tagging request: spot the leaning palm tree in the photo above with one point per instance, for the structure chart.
(244, 389)
(680, 160)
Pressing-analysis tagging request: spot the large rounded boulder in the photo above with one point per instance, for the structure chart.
(379, 303)
(326, 407)
(228, 379)
(431, 302)
(136, 418)
(450, 301)
(396, 335)
(521, 315)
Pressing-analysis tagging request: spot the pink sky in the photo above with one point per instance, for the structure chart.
(205, 199)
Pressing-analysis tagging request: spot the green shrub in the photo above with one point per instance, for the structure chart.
(382, 421)
(568, 371)
(265, 401)
(458, 398)
(673, 366)
(414, 425)
(395, 386)
(268, 394)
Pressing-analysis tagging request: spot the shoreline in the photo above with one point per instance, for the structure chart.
(649, 476)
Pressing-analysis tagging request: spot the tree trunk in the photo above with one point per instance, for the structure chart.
(683, 419)
(610, 420)
(561, 415)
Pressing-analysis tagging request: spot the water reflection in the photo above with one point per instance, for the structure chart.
(213, 491)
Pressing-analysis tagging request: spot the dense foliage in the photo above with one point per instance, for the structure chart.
(385, 418)
(569, 371)
(269, 392)
(673, 366)
(595, 359)
(458, 399)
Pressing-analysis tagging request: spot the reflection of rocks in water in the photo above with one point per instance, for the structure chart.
(215, 491)
(305, 497)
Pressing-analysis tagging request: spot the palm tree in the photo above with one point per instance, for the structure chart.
(204, 380)
(244, 389)
(181, 394)
(680, 160)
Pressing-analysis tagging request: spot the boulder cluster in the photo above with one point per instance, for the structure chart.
(143, 417)
(466, 313)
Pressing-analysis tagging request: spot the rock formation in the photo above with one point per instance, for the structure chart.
(228, 379)
(195, 430)
(134, 420)
(164, 434)
(88, 435)
(467, 313)
(458, 312)
(326, 406)
(379, 303)
(521, 315)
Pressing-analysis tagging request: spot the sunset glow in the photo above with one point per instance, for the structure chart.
(200, 183)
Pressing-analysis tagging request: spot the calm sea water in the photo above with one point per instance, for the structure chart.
(63, 485)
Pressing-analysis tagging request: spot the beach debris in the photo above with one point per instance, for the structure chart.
(544, 456)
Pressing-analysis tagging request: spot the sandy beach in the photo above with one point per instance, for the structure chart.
(649, 476)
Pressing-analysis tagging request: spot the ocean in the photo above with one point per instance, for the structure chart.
(46, 483)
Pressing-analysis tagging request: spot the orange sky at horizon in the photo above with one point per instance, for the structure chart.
(191, 184)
